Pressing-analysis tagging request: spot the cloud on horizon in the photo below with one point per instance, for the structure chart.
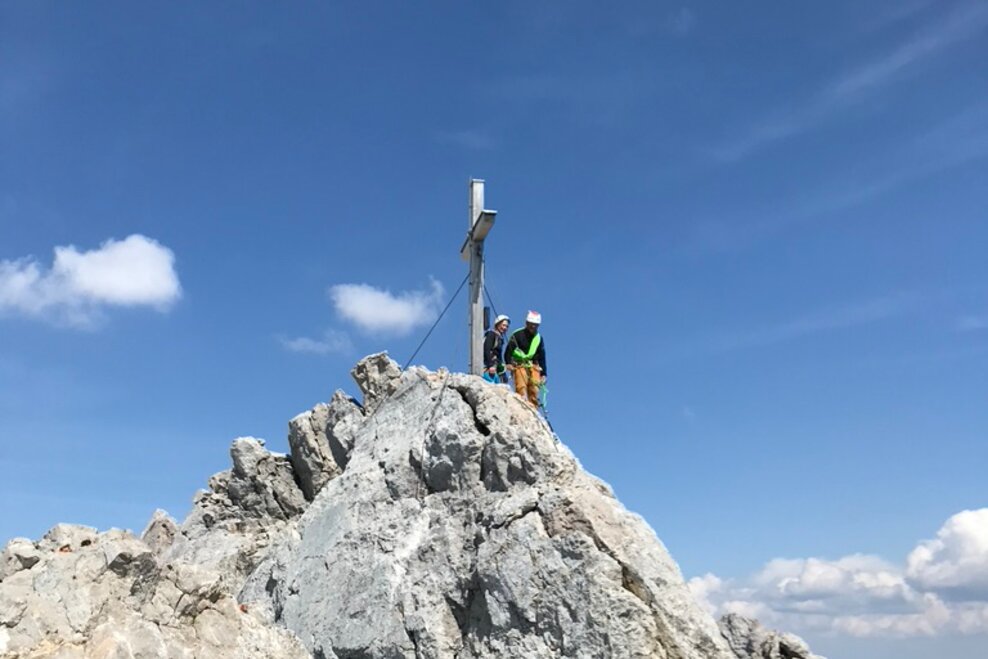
(79, 286)
(379, 311)
(941, 589)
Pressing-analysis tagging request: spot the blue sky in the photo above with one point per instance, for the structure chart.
(757, 237)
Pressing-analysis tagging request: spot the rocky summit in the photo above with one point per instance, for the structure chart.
(439, 517)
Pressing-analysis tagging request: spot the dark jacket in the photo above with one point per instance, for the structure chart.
(522, 339)
(493, 350)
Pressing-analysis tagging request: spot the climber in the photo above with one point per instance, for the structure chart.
(494, 350)
(525, 354)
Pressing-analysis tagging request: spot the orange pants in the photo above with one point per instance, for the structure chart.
(527, 381)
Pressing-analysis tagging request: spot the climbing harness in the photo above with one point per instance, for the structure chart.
(525, 358)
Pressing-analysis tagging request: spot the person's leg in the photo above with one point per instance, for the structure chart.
(534, 379)
(521, 382)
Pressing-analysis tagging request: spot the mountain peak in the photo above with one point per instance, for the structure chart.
(439, 517)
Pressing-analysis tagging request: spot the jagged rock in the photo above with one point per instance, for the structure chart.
(67, 537)
(244, 510)
(749, 640)
(108, 596)
(263, 483)
(377, 376)
(159, 534)
(343, 420)
(19, 554)
(461, 527)
(321, 440)
(443, 519)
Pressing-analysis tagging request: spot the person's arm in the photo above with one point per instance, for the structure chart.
(509, 350)
(540, 358)
(490, 358)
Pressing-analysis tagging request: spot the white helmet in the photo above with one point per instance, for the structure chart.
(534, 317)
(502, 317)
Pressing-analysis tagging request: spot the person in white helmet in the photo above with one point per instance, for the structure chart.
(494, 350)
(525, 355)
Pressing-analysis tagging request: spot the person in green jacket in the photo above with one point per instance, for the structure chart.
(525, 358)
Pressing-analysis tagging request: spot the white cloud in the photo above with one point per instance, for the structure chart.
(704, 589)
(380, 311)
(805, 327)
(955, 563)
(942, 589)
(331, 342)
(966, 22)
(821, 321)
(135, 271)
(953, 142)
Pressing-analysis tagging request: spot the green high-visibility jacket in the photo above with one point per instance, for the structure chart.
(525, 348)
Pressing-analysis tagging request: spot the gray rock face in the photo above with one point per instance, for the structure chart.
(321, 440)
(462, 528)
(244, 511)
(88, 595)
(440, 519)
(377, 376)
(19, 554)
(160, 532)
(261, 484)
(749, 640)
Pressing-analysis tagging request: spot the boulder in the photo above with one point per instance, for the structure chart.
(749, 640)
(19, 554)
(159, 534)
(321, 440)
(377, 376)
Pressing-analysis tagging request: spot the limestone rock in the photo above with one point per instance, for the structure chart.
(245, 508)
(321, 440)
(19, 554)
(749, 640)
(377, 376)
(462, 527)
(67, 538)
(97, 595)
(343, 419)
(441, 519)
(159, 534)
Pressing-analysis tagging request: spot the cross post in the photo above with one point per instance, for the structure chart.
(481, 221)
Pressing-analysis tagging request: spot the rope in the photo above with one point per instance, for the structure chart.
(544, 406)
(488, 294)
(443, 313)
